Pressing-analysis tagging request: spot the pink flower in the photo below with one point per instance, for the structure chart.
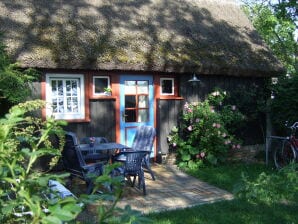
(234, 147)
(189, 110)
(227, 142)
(218, 125)
(238, 146)
(174, 144)
(233, 107)
(197, 120)
(214, 125)
(198, 156)
(202, 154)
(189, 128)
(224, 135)
(92, 139)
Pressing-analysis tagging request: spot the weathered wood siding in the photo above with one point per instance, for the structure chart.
(254, 131)
(167, 118)
(198, 92)
(102, 111)
(102, 114)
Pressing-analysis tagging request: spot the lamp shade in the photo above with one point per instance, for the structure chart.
(194, 79)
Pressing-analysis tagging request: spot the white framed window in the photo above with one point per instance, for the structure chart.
(100, 84)
(167, 86)
(65, 96)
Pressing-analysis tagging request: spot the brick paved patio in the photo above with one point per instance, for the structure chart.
(172, 189)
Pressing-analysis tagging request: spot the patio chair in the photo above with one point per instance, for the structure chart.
(89, 157)
(143, 141)
(133, 168)
(74, 162)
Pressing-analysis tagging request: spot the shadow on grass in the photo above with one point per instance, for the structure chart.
(235, 211)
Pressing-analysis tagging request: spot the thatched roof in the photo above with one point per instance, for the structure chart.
(203, 36)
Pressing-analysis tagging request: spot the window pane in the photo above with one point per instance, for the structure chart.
(130, 115)
(167, 86)
(66, 95)
(100, 84)
(68, 88)
(130, 101)
(142, 87)
(143, 101)
(74, 87)
(143, 115)
(130, 87)
(60, 87)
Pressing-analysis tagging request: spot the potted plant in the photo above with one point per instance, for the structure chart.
(108, 91)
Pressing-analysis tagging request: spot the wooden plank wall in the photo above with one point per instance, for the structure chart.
(168, 114)
(102, 114)
(168, 110)
(102, 111)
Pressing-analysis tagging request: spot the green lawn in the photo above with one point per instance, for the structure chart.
(226, 176)
(235, 211)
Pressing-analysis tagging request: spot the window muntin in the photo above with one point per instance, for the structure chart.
(65, 96)
(167, 86)
(136, 101)
(99, 84)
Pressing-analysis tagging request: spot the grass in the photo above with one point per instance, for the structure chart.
(226, 176)
(235, 211)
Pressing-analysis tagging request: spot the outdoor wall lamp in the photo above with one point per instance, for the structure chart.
(194, 79)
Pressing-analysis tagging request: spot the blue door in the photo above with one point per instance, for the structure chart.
(136, 105)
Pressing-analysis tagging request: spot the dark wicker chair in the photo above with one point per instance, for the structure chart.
(143, 141)
(75, 164)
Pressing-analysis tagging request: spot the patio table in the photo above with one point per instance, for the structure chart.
(98, 149)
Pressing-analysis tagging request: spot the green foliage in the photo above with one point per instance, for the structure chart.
(14, 82)
(271, 188)
(284, 106)
(23, 141)
(275, 21)
(202, 137)
(24, 191)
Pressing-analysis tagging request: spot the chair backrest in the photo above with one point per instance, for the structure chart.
(71, 156)
(144, 138)
(133, 162)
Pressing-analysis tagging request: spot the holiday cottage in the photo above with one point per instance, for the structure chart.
(109, 66)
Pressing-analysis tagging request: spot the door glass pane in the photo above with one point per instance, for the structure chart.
(130, 87)
(143, 115)
(130, 115)
(143, 101)
(142, 87)
(130, 101)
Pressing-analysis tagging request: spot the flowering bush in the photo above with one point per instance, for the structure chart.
(203, 136)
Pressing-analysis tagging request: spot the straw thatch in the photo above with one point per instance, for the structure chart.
(203, 36)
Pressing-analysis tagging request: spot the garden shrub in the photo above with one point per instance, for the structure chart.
(284, 104)
(270, 188)
(25, 139)
(202, 137)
